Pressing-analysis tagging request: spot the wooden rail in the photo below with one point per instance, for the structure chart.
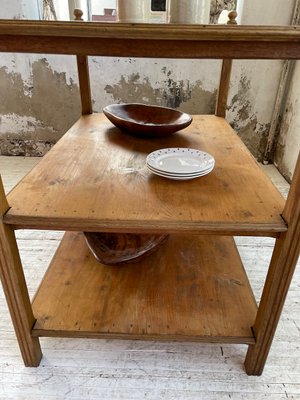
(140, 40)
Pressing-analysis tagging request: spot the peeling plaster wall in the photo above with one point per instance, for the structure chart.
(191, 86)
(172, 83)
(40, 98)
(251, 101)
(39, 95)
(38, 89)
(288, 145)
(38, 102)
(255, 83)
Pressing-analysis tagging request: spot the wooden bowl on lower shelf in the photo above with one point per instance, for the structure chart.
(121, 248)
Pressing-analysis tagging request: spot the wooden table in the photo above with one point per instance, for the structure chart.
(95, 179)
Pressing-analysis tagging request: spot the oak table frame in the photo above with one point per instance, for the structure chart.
(194, 287)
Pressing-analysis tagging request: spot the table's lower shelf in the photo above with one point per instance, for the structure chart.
(193, 288)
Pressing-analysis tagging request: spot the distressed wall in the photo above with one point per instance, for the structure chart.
(42, 98)
(42, 101)
(171, 83)
(255, 83)
(39, 95)
(288, 144)
(39, 101)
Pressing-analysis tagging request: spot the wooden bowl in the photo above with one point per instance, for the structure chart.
(120, 248)
(146, 121)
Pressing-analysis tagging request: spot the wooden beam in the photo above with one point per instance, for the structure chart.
(282, 266)
(16, 293)
(290, 210)
(155, 40)
(221, 104)
(84, 85)
(223, 33)
(121, 47)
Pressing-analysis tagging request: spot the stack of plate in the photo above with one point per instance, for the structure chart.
(180, 163)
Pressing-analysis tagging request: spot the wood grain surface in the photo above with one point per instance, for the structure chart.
(221, 105)
(280, 274)
(84, 85)
(15, 289)
(95, 179)
(192, 288)
(141, 40)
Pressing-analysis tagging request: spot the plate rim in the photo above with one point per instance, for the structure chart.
(199, 173)
(179, 151)
(180, 178)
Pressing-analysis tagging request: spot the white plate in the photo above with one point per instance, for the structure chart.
(180, 160)
(180, 174)
(194, 174)
(179, 177)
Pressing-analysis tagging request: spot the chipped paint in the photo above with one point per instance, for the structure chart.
(288, 144)
(35, 112)
(43, 101)
(202, 101)
(245, 121)
(195, 98)
(190, 97)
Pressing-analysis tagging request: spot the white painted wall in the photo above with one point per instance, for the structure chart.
(11, 9)
(62, 10)
(99, 5)
(20, 9)
(239, 9)
(267, 12)
(31, 9)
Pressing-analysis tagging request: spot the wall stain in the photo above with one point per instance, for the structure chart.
(52, 104)
(280, 150)
(189, 97)
(245, 122)
(255, 136)
(193, 99)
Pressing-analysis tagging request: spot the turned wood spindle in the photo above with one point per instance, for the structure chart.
(83, 75)
(78, 14)
(222, 97)
(232, 18)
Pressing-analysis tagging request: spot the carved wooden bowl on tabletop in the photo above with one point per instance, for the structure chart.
(146, 120)
(121, 248)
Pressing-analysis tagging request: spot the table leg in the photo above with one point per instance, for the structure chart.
(15, 289)
(282, 266)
